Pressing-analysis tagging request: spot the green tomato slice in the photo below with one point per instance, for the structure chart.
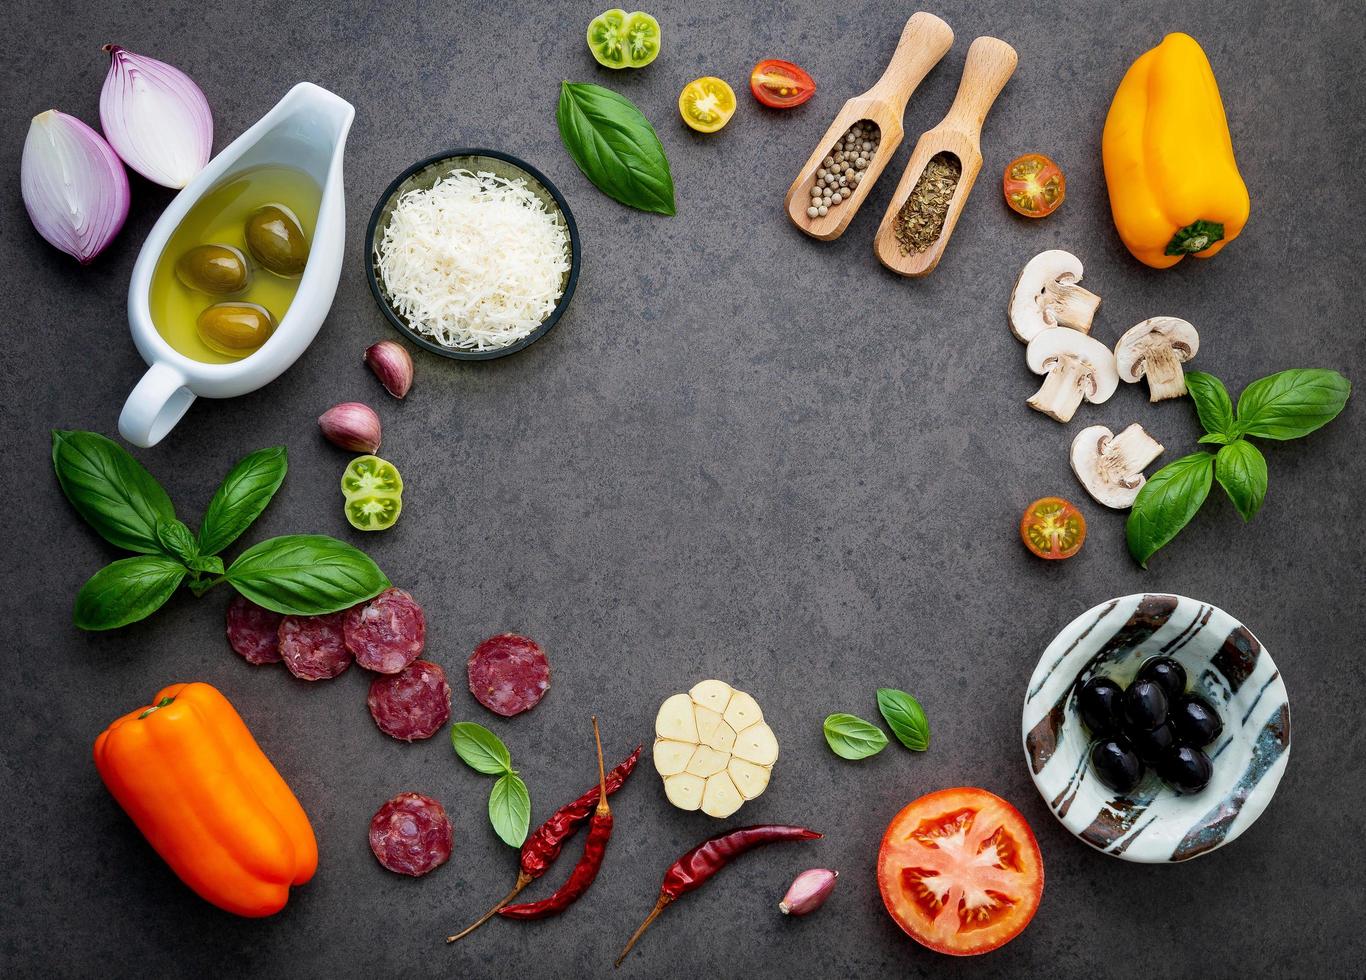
(374, 512)
(621, 40)
(368, 476)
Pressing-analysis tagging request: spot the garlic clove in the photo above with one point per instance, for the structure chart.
(808, 892)
(392, 364)
(352, 426)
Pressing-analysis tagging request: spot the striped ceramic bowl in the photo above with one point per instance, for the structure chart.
(1226, 665)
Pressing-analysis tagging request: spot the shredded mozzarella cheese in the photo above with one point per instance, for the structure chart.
(476, 263)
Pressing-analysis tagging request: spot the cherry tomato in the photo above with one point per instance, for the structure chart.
(780, 84)
(621, 40)
(960, 871)
(1034, 185)
(1052, 528)
(706, 103)
(373, 490)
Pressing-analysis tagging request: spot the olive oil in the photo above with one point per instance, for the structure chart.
(220, 218)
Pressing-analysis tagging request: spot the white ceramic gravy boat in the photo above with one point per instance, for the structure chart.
(306, 130)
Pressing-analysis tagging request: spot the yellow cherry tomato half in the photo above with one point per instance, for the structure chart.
(706, 104)
(1034, 185)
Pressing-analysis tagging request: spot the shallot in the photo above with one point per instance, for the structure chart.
(155, 117)
(74, 188)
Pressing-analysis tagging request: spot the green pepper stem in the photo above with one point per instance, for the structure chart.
(160, 704)
(1195, 237)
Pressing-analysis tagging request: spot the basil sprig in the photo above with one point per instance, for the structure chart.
(1285, 405)
(509, 800)
(297, 574)
(615, 146)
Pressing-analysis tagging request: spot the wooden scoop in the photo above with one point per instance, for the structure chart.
(923, 42)
(990, 64)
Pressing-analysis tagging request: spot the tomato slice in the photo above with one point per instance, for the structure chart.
(780, 84)
(960, 871)
(706, 104)
(375, 512)
(1034, 185)
(621, 40)
(1052, 528)
(373, 490)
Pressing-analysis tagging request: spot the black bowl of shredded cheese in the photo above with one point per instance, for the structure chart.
(472, 254)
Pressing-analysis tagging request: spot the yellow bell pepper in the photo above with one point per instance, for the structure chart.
(1174, 185)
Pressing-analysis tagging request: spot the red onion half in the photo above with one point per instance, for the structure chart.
(74, 188)
(155, 118)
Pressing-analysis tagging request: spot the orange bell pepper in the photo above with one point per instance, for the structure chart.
(1174, 184)
(205, 796)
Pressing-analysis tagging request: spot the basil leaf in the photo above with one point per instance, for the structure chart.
(1213, 405)
(1167, 502)
(125, 591)
(241, 497)
(853, 738)
(1240, 469)
(510, 809)
(905, 718)
(110, 490)
(177, 541)
(1290, 404)
(615, 146)
(205, 564)
(306, 575)
(480, 749)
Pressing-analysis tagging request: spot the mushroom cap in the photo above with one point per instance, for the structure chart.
(1027, 318)
(1179, 334)
(1063, 340)
(1085, 458)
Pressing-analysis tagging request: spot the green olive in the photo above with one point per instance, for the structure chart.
(277, 241)
(235, 329)
(217, 269)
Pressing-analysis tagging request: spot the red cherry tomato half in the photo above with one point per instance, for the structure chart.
(1034, 185)
(960, 871)
(780, 84)
(1052, 528)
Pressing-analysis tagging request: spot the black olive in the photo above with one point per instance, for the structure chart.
(1186, 770)
(1098, 705)
(1155, 744)
(1168, 673)
(1196, 721)
(1145, 706)
(1115, 764)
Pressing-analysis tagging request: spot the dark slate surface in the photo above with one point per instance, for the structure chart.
(742, 454)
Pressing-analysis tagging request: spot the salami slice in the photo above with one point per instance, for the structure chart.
(313, 647)
(509, 674)
(387, 633)
(411, 834)
(411, 705)
(253, 631)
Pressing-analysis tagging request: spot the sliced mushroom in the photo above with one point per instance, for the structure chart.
(1047, 295)
(1157, 348)
(1077, 367)
(1111, 466)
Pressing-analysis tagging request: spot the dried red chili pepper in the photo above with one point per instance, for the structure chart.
(698, 866)
(546, 841)
(594, 850)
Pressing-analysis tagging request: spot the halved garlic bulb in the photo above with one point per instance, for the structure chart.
(713, 748)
